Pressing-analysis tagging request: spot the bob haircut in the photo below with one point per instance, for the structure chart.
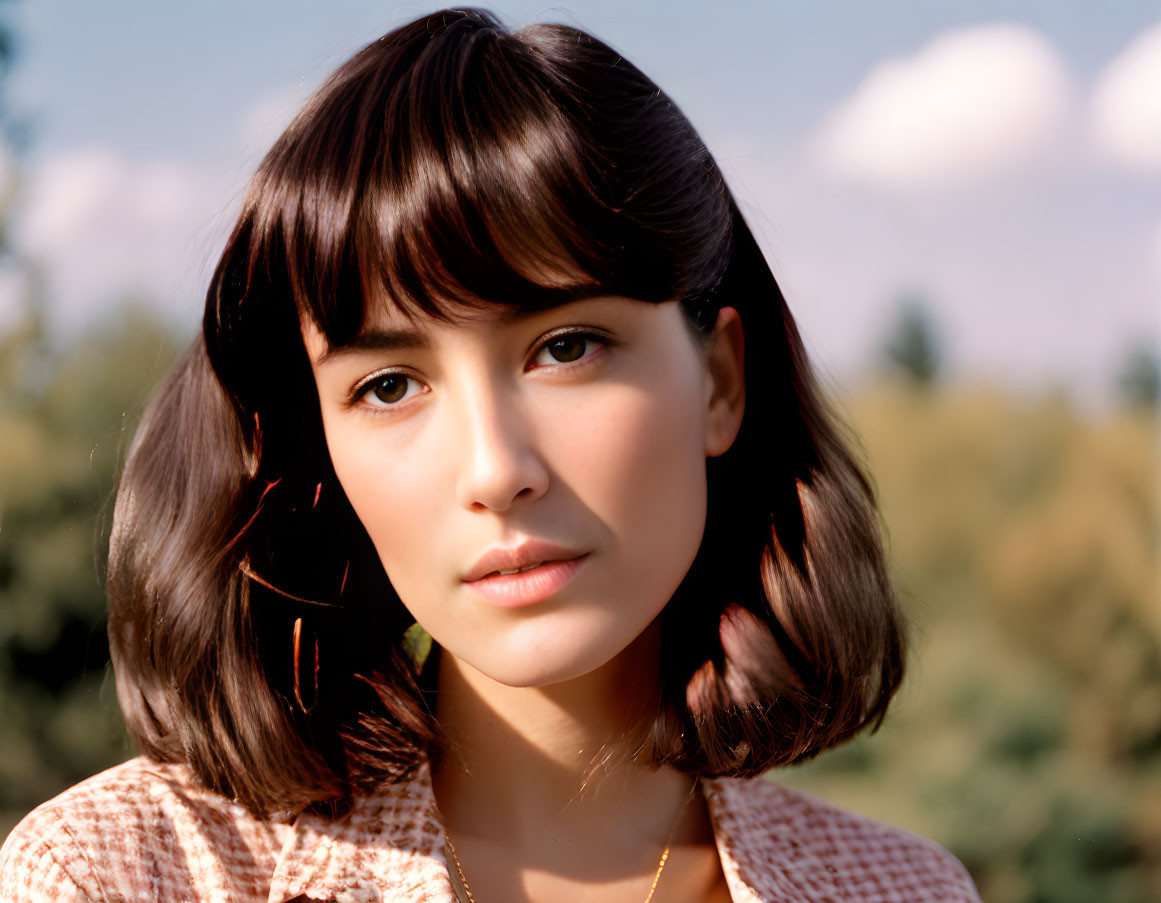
(452, 164)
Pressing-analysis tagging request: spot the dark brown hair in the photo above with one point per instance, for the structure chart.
(451, 162)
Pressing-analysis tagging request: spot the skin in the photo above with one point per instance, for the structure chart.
(587, 425)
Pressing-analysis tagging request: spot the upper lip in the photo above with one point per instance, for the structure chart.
(531, 551)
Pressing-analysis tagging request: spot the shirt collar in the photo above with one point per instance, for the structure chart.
(389, 846)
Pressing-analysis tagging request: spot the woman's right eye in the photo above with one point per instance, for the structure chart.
(387, 390)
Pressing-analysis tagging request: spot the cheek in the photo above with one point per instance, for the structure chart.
(392, 494)
(639, 466)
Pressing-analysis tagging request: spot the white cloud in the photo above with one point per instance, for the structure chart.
(103, 227)
(973, 101)
(1125, 107)
(1009, 281)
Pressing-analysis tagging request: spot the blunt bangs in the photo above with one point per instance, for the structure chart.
(471, 166)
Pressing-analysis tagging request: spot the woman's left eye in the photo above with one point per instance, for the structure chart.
(568, 348)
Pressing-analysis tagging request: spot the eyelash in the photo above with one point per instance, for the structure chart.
(361, 389)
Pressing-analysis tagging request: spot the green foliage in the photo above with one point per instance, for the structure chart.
(1024, 540)
(65, 417)
(911, 348)
(1139, 382)
(417, 644)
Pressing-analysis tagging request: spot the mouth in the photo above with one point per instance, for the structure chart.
(528, 585)
(528, 567)
(529, 555)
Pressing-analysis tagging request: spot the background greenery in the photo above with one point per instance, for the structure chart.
(1027, 738)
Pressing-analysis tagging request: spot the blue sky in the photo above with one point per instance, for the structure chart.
(964, 151)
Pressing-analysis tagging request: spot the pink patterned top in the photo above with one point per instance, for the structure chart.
(148, 832)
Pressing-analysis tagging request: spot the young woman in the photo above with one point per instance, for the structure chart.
(493, 540)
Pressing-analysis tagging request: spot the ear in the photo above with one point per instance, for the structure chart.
(725, 382)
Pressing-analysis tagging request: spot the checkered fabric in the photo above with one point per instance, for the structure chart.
(143, 831)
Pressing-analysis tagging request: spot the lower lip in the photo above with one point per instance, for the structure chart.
(527, 587)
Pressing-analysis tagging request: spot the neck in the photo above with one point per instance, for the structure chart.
(526, 759)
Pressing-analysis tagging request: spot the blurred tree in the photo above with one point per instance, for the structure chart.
(64, 418)
(1025, 542)
(1139, 382)
(64, 413)
(911, 348)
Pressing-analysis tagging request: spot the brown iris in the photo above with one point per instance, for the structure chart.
(567, 348)
(390, 388)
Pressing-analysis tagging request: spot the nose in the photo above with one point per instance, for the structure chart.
(499, 463)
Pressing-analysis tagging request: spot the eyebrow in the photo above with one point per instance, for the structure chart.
(376, 340)
(413, 339)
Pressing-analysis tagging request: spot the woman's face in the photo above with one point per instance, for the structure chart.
(570, 442)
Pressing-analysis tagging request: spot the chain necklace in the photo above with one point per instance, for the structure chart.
(451, 847)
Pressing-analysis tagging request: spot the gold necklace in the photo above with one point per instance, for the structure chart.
(656, 876)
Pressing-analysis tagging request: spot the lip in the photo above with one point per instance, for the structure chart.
(527, 587)
(531, 551)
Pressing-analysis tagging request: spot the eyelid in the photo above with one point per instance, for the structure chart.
(363, 386)
(586, 332)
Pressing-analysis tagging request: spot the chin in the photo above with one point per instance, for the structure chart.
(533, 663)
(539, 673)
